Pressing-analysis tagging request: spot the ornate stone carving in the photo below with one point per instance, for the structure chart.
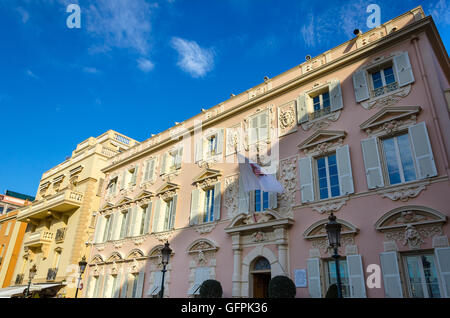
(321, 122)
(168, 195)
(100, 247)
(324, 147)
(118, 244)
(114, 268)
(388, 99)
(288, 177)
(258, 236)
(138, 240)
(231, 195)
(163, 236)
(205, 228)
(323, 245)
(413, 235)
(403, 193)
(287, 118)
(257, 218)
(330, 206)
(134, 268)
(96, 270)
(207, 183)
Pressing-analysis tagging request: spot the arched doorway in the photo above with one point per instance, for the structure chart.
(261, 274)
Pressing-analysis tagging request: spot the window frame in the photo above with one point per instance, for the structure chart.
(322, 111)
(317, 178)
(326, 274)
(380, 67)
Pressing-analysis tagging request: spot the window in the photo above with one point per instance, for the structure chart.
(201, 274)
(259, 127)
(172, 160)
(108, 226)
(111, 189)
(149, 170)
(168, 216)
(332, 278)
(321, 104)
(383, 80)
(328, 179)
(125, 223)
(261, 202)
(422, 278)
(1, 209)
(208, 215)
(399, 159)
(212, 146)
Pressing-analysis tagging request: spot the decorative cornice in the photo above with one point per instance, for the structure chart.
(329, 206)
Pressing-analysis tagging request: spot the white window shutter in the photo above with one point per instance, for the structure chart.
(112, 221)
(302, 109)
(134, 176)
(273, 203)
(217, 197)
(116, 225)
(147, 170)
(344, 170)
(335, 96)
(164, 163)
(179, 158)
(123, 180)
(403, 69)
(253, 127)
(90, 287)
(443, 261)
(99, 228)
(356, 276)
(136, 228)
(423, 153)
(98, 287)
(148, 214)
(173, 212)
(243, 198)
(391, 275)
(108, 286)
(263, 127)
(140, 284)
(360, 86)
(193, 220)
(105, 285)
(124, 218)
(156, 216)
(314, 285)
(199, 149)
(219, 141)
(131, 221)
(124, 291)
(306, 179)
(372, 163)
(151, 173)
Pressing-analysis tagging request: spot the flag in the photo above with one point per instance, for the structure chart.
(255, 178)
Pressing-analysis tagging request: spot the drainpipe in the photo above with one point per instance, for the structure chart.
(437, 127)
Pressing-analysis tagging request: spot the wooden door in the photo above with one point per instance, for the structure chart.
(261, 285)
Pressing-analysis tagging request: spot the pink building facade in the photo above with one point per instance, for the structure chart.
(362, 131)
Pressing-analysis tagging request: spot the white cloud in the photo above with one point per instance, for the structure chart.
(192, 58)
(32, 75)
(120, 24)
(440, 11)
(90, 70)
(24, 15)
(145, 65)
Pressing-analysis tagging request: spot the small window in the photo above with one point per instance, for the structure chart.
(421, 276)
(328, 178)
(383, 80)
(399, 159)
(332, 278)
(168, 216)
(321, 103)
(211, 142)
(261, 203)
(208, 215)
(261, 264)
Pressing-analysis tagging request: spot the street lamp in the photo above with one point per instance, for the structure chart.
(82, 264)
(33, 271)
(334, 239)
(165, 253)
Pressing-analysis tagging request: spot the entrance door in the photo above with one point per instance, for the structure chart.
(261, 285)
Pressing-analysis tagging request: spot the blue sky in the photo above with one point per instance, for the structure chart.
(138, 66)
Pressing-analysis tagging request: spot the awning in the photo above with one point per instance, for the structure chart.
(9, 292)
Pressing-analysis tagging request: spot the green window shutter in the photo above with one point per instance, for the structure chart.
(356, 276)
(391, 275)
(193, 220)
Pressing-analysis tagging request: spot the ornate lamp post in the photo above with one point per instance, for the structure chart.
(334, 239)
(33, 271)
(165, 253)
(82, 265)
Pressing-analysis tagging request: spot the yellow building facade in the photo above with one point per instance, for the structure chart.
(60, 220)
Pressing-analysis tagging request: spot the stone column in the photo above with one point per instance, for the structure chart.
(237, 260)
(280, 233)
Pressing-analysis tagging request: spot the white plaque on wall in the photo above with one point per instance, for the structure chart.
(300, 277)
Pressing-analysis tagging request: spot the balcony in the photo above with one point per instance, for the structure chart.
(38, 238)
(51, 274)
(64, 201)
(19, 279)
(384, 90)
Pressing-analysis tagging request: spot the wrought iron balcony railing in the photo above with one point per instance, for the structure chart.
(385, 89)
(320, 112)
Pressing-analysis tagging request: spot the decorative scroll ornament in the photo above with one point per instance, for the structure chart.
(321, 122)
(404, 193)
(287, 118)
(288, 178)
(231, 195)
(390, 98)
(205, 228)
(163, 236)
(412, 237)
(331, 206)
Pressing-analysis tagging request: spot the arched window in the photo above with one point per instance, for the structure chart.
(261, 264)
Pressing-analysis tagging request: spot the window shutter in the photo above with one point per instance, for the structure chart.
(107, 292)
(423, 153)
(115, 187)
(314, 287)
(99, 228)
(372, 163)
(112, 221)
(302, 109)
(164, 163)
(90, 284)
(273, 204)
(128, 221)
(99, 286)
(134, 176)
(443, 261)
(391, 275)
(193, 220)
(123, 229)
(403, 69)
(148, 213)
(254, 121)
(122, 183)
(219, 141)
(105, 285)
(344, 170)
(115, 225)
(179, 158)
(151, 173)
(263, 126)
(360, 86)
(147, 170)
(118, 285)
(306, 179)
(140, 284)
(243, 198)
(336, 96)
(137, 221)
(217, 196)
(199, 149)
(356, 276)
(173, 212)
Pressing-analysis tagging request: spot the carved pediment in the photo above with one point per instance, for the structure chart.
(168, 186)
(106, 206)
(256, 221)
(389, 118)
(202, 245)
(317, 230)
(115, 257)
(156, 251)
(144, 194)
(409, 216)
(97, 259)
(124, 200)
(207, 174)
(321, 137)
(136, 253)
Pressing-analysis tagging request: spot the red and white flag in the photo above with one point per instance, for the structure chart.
(255, 178)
